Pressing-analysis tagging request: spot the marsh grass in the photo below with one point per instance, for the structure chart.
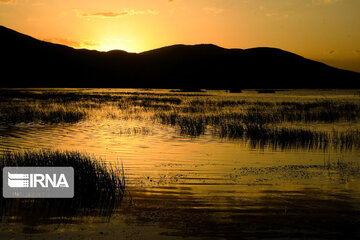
(256, 129)
(261, 120)
(346, 139)
(191, 125)
(99, 188)
(63, 96)
(260, 112)
(266, 91)
(325, 111)
(43, 113)
(185, 90)
(290, 137)
(276, 137)
(235, 90)
(56, 107)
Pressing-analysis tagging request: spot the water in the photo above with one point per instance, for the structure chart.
(207, 186)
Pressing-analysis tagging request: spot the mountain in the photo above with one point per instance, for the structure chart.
(28, 62)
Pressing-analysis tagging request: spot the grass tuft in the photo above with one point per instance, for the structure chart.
(99, 188)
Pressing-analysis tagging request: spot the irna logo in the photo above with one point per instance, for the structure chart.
(38, 182)
(16, 180)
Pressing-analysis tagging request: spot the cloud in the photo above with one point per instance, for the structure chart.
(104, 14)
(213, 10)
(90, 43)
(123, 13)
(8, 1)
(325, 2)
(63, 41)
(73, 43)
(105, 44)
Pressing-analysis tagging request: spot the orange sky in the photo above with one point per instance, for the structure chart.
(325, 30)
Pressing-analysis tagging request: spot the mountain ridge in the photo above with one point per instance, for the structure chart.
(30, 62)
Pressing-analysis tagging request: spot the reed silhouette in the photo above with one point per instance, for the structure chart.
(99, 189)
(266, 123)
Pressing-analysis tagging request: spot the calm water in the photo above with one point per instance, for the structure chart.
(210, 187)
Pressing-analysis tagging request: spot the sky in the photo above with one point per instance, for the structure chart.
(323, 30)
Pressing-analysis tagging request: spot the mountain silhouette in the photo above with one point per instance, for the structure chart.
(28, 62)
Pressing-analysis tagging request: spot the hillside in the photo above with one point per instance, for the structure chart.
(28, 62)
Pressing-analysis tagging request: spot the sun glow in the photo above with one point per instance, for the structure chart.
(323, 30)
(109, 44)
(113, 39)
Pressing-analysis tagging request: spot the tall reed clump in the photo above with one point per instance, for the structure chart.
(44, 113)
(99, 188)
(192, 125)
(318, 111)
(266, 122)
(346, 140)
(283, 137)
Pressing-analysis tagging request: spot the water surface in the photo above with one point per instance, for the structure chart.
(206, 186)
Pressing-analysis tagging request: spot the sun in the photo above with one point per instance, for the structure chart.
(106, 44)
(109, 44)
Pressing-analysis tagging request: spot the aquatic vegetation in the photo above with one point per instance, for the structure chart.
(144, 101)
(264, 120)
(99, 187)
(266, 91)
(276, 137)
(192, 125)
(324, 111)
(211, 159)
(51, 113)
(257, 130)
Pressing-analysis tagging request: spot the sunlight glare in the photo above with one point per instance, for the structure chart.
(109, 44)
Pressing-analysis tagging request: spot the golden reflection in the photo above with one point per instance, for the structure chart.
(188, 167)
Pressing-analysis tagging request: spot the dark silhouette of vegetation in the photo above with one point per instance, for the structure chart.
(266, 91)
(234, 90)
(285, 138)
(261, 123)
(99, 188)
(55, 114)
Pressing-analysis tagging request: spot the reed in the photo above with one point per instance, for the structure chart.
(266, 91)
(286, 137)
(261, 120)
(276, 137)
(192, 125)
(51, 113)
(99, 187)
